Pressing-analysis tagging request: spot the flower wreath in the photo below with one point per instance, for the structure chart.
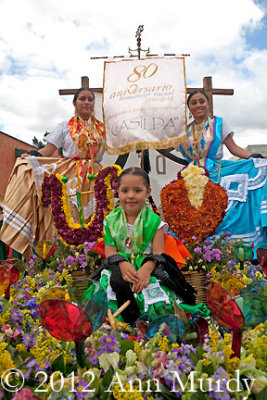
(193, 206)
(71, 233)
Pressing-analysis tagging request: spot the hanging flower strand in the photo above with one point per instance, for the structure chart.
(71, 233)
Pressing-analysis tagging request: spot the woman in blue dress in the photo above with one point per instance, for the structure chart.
(245, 180)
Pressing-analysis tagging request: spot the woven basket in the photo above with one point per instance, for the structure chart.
(199, 281)
(80, 282)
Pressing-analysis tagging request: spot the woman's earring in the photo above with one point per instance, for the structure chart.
(190, 115)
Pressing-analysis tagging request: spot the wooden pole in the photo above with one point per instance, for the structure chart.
(207, 87)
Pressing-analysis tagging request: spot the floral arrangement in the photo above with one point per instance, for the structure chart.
(193, 205)
(83, 258)
(121, 363)
(73, 234)
(246, 275)
(215, 251)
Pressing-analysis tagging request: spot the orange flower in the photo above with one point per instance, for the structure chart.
(184, 219)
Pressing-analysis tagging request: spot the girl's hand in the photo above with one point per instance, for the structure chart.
(128, 272)
(24, 155)
(143, 276)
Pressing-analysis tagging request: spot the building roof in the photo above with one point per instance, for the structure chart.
(19, 140)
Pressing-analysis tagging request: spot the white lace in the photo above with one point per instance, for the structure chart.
(153, 293)
(110, 293)
(241, 192)
(39, 171)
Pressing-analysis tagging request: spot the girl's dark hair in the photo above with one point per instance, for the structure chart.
(197, 91)
(135, 171)
(81, 90)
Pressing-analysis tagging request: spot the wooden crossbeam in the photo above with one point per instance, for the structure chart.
(207, 87)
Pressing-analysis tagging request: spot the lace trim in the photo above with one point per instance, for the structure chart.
(241, 192)
(260, 162)
(153, 293)
(110, 293)
(263, 207)
(177, 299)
(260, 179)
(39, 171)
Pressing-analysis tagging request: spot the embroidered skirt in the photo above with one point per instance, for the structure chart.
(155, 299)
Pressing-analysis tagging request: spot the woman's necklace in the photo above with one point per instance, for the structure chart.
(197, 131)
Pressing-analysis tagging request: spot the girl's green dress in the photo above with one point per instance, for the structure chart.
(135, 239)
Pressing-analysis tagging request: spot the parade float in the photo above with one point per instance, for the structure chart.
(54, 346)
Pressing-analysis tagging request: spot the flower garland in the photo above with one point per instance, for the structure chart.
(71, 233)
(184, 218)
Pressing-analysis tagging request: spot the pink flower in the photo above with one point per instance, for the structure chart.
(5, 327)
(25, 394)
(162, 361)
(9, 333)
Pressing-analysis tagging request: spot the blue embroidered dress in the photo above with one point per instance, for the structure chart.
(245, 182)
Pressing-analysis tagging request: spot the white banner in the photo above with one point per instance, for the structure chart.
(144, 104)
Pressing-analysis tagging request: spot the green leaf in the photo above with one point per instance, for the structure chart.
(58, 364)
(117, 336)
(262, 395)
(166, 393)
(125, 346)
(107, 378)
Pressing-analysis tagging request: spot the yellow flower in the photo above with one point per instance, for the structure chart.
(206, 362)
(21, 347)
(5, 317)
(137, 350)
(42, 350)
(128, 392)
(164, 344)
(5, 359)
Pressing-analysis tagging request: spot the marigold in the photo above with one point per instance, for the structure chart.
(185, 220)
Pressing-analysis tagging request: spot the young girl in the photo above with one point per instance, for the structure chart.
(135, 265)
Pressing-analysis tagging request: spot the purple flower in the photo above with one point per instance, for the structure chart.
(80, 258)
(70, 260)
(216, 253)
(16, 315)
(88, 246)
(206, 248)
(219, 388)
(80, 393)
(27, 339)
(185, 349)
(207, 256)
(109, 343)
(95, 357)
(198, 250)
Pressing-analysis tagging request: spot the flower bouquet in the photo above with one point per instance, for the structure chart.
(193, 205)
